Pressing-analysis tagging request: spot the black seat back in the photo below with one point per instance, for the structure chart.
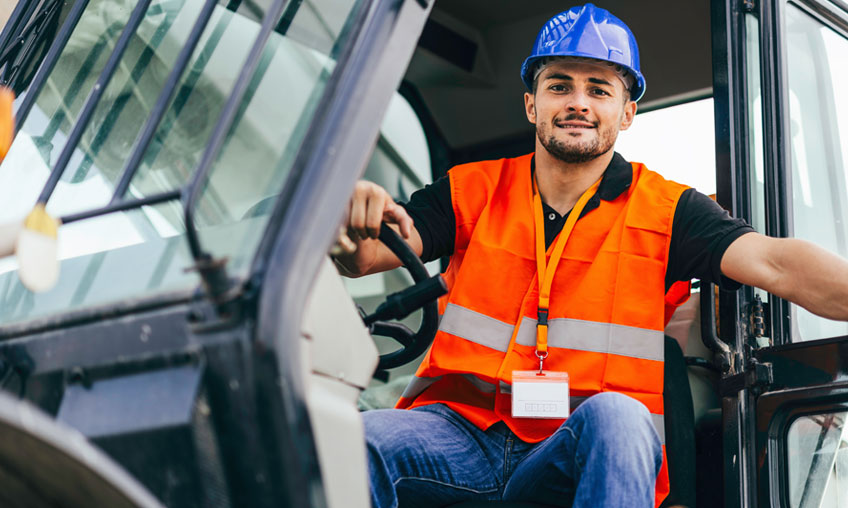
(679, 427)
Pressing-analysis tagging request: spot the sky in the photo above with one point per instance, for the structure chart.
(677, 142)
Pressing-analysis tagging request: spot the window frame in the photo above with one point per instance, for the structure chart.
(779, 410)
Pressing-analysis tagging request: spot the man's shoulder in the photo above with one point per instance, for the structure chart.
(491, 169)
(473, 185)
(652, 178)
(656, 190)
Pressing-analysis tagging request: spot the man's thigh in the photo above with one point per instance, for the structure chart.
(606, 453)
(431, 456)
(547, 473)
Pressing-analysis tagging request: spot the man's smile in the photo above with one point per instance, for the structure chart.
(574, 123)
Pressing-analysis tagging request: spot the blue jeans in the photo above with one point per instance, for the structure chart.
(607, 453)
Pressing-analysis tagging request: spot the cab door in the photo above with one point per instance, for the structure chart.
(785, 391)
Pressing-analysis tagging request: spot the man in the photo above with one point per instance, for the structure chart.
(560, 262)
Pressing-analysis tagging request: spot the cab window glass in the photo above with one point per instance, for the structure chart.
(685, 155)
(755, 128)
(756, 170)
(817, 461)
(819, 145)
(143, 251)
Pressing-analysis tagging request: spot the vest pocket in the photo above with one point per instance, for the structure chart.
(639, 292)
(645, 242)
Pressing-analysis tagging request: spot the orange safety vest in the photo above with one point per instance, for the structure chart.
(677, 295)
(606, 313)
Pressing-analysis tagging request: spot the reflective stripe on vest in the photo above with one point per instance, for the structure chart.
(418, 384)
(563, 333)
(659, 425)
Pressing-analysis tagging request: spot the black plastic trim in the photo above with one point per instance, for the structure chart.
(37, 326)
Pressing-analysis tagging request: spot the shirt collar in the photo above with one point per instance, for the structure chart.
(618, 176)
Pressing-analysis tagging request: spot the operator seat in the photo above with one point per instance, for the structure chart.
(679, 436)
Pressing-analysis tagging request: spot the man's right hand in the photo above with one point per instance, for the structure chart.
(361, 252)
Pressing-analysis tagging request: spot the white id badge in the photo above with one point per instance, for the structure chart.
(539, 395)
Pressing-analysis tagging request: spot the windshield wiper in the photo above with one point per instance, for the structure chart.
(21, 43)
(50, 60)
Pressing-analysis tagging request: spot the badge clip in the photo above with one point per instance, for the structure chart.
(541, 356)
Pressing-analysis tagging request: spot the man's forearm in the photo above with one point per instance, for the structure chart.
(371, 256)
(812, 277)
(343, 267)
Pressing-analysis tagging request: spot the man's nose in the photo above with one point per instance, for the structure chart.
(578, 102)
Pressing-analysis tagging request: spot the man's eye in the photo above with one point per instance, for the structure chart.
(600, 91)
(558, 88)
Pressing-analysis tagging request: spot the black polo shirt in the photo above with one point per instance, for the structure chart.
(701, 230)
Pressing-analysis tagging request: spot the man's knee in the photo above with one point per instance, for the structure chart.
(397, 432)
(383, 429)
(618, 417)
(614, 405)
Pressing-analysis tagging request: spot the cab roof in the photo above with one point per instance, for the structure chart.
(466, 66)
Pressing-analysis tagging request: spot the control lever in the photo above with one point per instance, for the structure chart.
(403, 303)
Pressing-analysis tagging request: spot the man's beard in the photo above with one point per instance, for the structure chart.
(580, 151)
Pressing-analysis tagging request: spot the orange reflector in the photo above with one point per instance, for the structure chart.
(7, 121)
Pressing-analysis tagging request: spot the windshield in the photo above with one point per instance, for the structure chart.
(143, 251)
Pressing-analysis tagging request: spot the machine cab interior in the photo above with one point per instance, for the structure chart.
(196, 157)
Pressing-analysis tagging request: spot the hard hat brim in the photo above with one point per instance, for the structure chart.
(527, 68)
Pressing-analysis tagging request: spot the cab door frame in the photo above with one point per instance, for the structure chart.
(733, 156)
(762, 392)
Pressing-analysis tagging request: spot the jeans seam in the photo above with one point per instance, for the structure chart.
(468, 489)
(507, 453)
(578, 460)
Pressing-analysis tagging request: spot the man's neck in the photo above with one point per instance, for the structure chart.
(561, 183)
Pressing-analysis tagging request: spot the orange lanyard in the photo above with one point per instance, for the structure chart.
(546, 270)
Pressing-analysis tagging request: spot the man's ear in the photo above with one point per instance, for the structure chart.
(629, 113)
(530, 107)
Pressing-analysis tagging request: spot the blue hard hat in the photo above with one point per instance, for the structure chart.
(587, 32)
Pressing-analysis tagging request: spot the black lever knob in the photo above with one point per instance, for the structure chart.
(403, 303)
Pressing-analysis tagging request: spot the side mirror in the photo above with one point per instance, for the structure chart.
(33, 239)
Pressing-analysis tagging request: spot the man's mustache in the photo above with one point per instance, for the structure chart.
(576, 117)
